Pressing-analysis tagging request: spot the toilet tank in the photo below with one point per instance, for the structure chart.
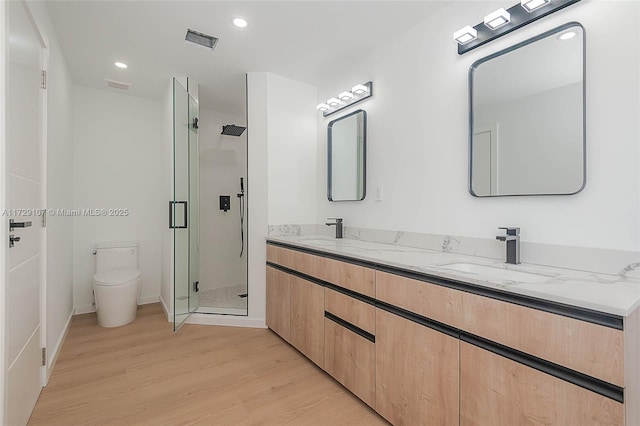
(116, 256)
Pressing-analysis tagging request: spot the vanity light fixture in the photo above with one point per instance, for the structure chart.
(502, 22)
(496, 19)
(120, 65)
(465, 35)
(531, 5)
(358, 93)
(345, 96)
(359, 89)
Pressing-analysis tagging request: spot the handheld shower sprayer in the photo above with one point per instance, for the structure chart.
(241, 199)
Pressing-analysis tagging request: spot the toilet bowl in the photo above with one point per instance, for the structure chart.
(116, 283)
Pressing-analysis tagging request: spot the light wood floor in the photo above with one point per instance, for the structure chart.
(144, 374)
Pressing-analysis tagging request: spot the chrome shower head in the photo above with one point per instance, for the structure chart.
(232, 130)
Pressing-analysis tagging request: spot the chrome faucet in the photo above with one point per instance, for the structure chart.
(338, 225)
(513, 244)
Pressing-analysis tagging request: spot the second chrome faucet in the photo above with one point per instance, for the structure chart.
(513, 244)
(337, 224)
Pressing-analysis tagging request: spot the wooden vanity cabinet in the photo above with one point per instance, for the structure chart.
(428, 353)
(278, 314)
(295, 311)
(307, 318)
(416, 372)
(495, 390)
(350, 359)
(349, 343)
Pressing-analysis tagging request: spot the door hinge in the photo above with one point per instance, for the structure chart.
(44, 219)
(44, 356)
(44, 79)
(196, 286)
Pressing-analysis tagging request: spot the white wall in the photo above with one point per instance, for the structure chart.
(257, 192)
(118, 163)
(282, 144)
(59, 298)
(292, 140)
(223, 160)
(418, 134)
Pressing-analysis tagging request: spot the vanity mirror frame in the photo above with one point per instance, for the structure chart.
(363, 155)
(472, 70)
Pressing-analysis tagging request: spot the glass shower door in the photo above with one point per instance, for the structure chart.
(194, 204)
(184, 207)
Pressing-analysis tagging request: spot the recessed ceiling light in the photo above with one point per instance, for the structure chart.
(567, 35)
(240, 23)
(120, 65)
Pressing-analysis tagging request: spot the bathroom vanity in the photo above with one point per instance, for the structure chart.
(426, 337)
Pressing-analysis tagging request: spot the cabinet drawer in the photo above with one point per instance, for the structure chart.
(357, 312)
(350, 359)
(429, 300)
(350, 276)
(498, 391)
(589, 348)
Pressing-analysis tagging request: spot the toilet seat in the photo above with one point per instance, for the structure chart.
(114, 277)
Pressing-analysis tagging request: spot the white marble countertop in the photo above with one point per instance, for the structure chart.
(613, 294)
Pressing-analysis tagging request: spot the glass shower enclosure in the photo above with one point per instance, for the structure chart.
(184, 206)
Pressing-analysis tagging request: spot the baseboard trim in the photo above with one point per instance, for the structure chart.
(165, 309)
(79, 310)
(53, 355)
(226, 320)
(148, 300)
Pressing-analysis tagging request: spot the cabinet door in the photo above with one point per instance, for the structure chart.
(416, 373)
(350, 359)
(307, 319)
(495, 390)
(278, 302)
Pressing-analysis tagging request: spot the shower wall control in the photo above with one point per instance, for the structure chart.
(225, 202)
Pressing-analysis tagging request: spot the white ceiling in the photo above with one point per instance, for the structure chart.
(303, 40)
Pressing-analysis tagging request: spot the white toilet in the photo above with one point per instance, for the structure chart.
(116, 284)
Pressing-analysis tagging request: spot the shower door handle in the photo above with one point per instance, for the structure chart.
(177, 220)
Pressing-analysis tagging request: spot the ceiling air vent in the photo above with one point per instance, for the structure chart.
(201, 39)
(120, 85)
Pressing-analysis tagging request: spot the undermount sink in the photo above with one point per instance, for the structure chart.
(490, 272)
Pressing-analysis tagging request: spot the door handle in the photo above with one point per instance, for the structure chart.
(13, 224)
(173, 213)
(13, 240)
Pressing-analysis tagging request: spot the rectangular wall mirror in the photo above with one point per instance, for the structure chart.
(347, 138)
(527, 112)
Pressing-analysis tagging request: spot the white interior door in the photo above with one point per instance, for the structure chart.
(484, 172)
(25, 177)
